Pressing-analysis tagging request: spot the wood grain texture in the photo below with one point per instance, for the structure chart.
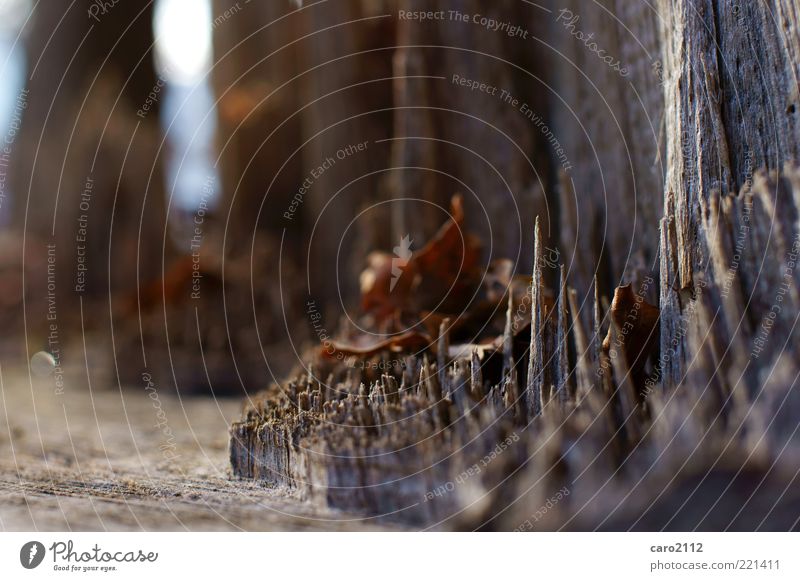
(94, 460)
(730, 100)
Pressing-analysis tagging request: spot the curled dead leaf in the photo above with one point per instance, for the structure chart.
(637, 322)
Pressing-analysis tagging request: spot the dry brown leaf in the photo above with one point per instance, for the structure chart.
(443, 275)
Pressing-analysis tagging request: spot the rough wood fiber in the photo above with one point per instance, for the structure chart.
(731, 107)
(95, 464)
(378, 451)
(646, 435)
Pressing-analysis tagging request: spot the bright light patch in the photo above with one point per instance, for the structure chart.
(183, 39)
(13, 14)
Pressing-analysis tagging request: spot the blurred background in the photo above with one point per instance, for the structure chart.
(183, 177)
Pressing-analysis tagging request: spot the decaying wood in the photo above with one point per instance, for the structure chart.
(731, 107)
(100, 461)
(355, 442)
(641, 412)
